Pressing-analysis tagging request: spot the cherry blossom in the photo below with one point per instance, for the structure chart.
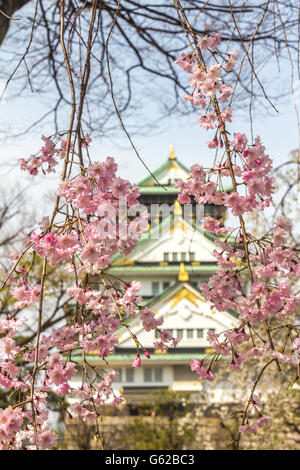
(255, 278)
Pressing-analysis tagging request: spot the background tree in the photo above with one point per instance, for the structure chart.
(165, 422)
(16, 219)
(140, 53)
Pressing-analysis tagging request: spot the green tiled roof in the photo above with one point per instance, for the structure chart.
(154, 357)
(170, 269)
(172, 190)
(158, 190)
(149, 179)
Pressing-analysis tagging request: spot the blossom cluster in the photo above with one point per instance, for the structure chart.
(255, 165)
(255, 277)
(50, 154)
(94, 231)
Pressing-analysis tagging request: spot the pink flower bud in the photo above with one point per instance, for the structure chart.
(137, 362)
(146, 354)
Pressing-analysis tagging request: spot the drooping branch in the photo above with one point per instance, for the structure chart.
(146, 41)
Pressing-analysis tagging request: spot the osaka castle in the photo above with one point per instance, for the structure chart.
(172, 259)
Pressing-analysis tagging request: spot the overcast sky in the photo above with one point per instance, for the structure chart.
(278, 133)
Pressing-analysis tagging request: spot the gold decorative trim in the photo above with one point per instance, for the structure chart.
(177, 208)
(183, 275)
(171, 153)
(184, 293)
(124, 262)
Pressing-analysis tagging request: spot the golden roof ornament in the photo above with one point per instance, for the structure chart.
(183, 275)
(171, 153)
(177, 208)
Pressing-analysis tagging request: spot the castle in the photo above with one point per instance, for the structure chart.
(172, 259)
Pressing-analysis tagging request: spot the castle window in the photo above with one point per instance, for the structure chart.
(147, 374)
(91, 374)
(166, 256)
(155, 288)
(179, 333)
(129, 374)
(200, 333)
(158, 376)
(153, 374)
(183, 256)
(166, 285)
(118, 378)
(190, 333)
(174, 256)
(192, 256)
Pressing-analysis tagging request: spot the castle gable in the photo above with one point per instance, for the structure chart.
(186, 314)
(174, 235)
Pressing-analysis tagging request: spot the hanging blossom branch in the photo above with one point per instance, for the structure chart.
(256, 275)
(88, 226)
